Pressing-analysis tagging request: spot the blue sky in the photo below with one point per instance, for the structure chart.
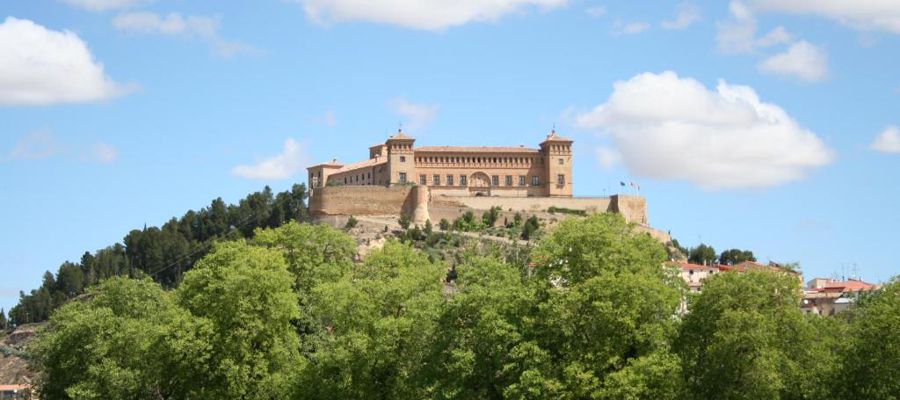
(759, 124)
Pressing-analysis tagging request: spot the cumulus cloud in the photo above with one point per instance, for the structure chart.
(888, 141)
(883, 15)
(174, 24)
(802, 60)
(103, 5)
(630, 28)
(686, 15)
(101, 152)
(35, 146)
(607, 157)
(291, 160)
(41, 66)
(419, 14)
(416, 116)
(596, 11)
(668, 127)
(738, 33)
(41, 145)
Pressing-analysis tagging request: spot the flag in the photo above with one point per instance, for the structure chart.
(635, 185)
(622, 183)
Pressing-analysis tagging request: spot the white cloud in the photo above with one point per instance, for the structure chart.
(35, 146)
(883, 15)
(630, 28)
(103, 153)
(607, 157)
(802, 60)
(667, 127)
(416, 116)
(687, 14)
(738, 33)
(596, 11)
(888, 141)
(419, 14)
(174, 24)
(41, 66)
(41, 145)
(103, 5)
(291, 160)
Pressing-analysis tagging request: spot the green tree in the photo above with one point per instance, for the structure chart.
(404, 221)
(245, 294)
(746, 338)
(351, 223)
(106, 347)
(702, 254)
(428, 228)
(484, 348)
(489, 218)
(380, 320)
(4, 323)
(735, 256)
(444, 224)
(871, 360)
(607, 305)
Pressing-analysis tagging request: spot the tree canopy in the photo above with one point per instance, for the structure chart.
(591, 312)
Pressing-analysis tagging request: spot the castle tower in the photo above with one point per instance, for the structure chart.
(557, 153)
(401, 163)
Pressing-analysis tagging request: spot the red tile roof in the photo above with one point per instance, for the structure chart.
(362, 164)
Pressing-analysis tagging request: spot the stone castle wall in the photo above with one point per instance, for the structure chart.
(420, 204)
(361, 200)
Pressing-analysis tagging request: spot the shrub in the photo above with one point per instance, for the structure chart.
(351, 223)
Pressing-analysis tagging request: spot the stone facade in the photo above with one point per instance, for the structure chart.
(458, 171)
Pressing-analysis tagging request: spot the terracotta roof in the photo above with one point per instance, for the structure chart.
(553, 136)
(333, 163)
(4, 388)
(399, 136)
(475, 149)
(688, 266)
(850, 285)
(362, 164)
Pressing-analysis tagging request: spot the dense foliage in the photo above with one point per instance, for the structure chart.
(590, 314)
(163, 253)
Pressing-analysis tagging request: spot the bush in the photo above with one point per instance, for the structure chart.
(444, 224)
(404, 221)
(563, 210)
(351, 223)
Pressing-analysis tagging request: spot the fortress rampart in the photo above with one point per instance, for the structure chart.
(421, 204)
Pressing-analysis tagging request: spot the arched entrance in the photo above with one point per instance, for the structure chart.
(480, 184)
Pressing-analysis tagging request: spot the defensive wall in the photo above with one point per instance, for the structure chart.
(420, 204)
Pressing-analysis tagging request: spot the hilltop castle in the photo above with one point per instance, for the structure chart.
(459, 171)
(443, 182)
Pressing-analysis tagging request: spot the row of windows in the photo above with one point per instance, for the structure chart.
(495, 180)
(479, 160)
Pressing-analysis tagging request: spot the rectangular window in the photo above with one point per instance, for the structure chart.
(495, 180)
(560, 179)
(561, 161)
(402, 158)
(463, 180)
(509, 180)
(422, 180)
(535, 180)
(449, 180)
(403, 178)
(521, 180)
(436, 180)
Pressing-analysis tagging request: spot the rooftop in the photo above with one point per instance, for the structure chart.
(476, 149)
(362, 164)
